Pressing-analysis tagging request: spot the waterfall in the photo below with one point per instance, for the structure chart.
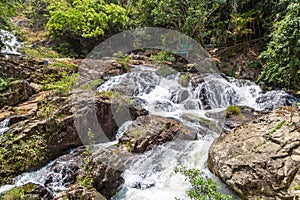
(11, 44)
(4, 126)
(152, 175)
(55, 176)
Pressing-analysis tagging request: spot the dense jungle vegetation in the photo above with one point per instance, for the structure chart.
(74, 27)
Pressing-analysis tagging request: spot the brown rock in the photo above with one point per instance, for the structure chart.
(18, 92)
(259, 160)
(79, 192)
(147, 132)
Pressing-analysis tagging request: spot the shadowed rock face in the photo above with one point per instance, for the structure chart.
(261, 159)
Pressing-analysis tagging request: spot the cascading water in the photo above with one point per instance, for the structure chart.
(56, 176)
(152, 175)
(4, 126)
(11, 44)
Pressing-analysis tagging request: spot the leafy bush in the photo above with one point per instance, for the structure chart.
(281, 59)
(233, 110)
(202, 188)
(63, 85)
(4, 84)
(79, 20)
(164, 56)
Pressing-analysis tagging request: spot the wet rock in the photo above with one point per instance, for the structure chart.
(93, 69)
(196, 79)
(107, 167)
(147, 132)
(18, 92)
(260, 159)
(247, 114)
(28, 191)
(79, 192)
(110, 113)
(274, 99)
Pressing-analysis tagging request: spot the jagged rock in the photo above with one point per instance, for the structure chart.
(31, 71)
(247, 114)
(107, 167)
(17, 92)
(104, 116)
(79, 192)
(147, 132)
(261, 159)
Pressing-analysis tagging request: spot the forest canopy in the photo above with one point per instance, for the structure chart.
(77, 26)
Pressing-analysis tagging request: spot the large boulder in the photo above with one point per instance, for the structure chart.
(17, 92)
(261, 159)
(79, 192)
(147, 132)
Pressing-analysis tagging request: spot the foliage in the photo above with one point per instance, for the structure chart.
(163, 56)
(184, 80)
(8, 9)
(4, 84)
(91, 85)
(61, 82)
(39, 52)
(202, 188)
(20, 192)
(233, 110)
(281, 59)
(189, 17)
(79, 20)
(86, 180)
(268, 136)
(14, 153)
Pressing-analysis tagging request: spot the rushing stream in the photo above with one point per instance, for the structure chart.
(4, 126)
(11, 44)
(151, 175)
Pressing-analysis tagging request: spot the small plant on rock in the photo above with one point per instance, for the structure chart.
(202, 188)
(233, 110)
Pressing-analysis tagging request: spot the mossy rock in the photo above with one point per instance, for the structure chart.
(29, 191)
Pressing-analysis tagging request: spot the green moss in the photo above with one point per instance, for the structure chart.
(15, 154)
(163, 56)
(60, 83)
(4, 84)
(39, 52)
(184, 80)
(138, 133)
(23, 192)
(92, 84)
(233, 110)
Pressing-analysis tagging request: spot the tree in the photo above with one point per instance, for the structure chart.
(7, 10)
(282, 57)
(80, 21)
(189, 17)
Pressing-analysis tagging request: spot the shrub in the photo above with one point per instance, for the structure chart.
(202, 188)
(233, 110)
(281, 59)
(4, 84)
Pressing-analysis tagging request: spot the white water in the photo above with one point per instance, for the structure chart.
(12, 45)
(4, 126)
(151, 175)
(57, 171)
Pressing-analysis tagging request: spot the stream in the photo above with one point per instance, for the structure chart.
(151, 175)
